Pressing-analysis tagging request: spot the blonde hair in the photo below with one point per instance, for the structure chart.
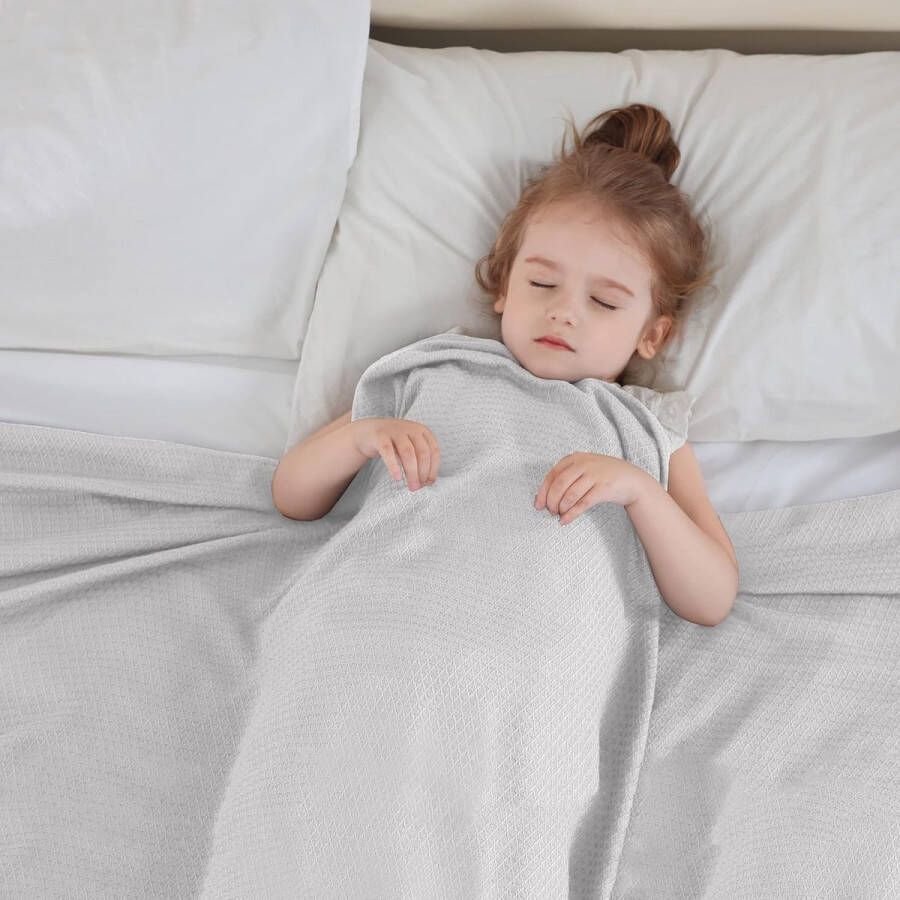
(623, 160)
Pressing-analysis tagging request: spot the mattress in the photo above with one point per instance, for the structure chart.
(242, 404)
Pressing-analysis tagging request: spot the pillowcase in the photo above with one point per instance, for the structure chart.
(790, 161)
(172, 172)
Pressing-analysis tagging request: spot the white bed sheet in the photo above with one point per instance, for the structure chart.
(223, 402)
(243, 405)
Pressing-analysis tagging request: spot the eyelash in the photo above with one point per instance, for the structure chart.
(605, 305)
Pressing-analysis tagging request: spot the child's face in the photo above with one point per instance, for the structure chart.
(575, 235)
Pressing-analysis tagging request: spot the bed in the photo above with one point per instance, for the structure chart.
(214, 222)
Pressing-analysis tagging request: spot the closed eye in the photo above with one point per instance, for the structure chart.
(538, 284)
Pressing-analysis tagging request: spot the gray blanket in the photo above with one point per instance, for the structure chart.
(433, 694)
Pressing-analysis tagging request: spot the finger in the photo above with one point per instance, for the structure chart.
(386, 451)
(407, 451)
(575, 492)
(423, 458)
(591, 498)
(541, 499)
(435, 460)
(560, 485)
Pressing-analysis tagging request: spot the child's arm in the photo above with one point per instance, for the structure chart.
(690, 553)
(311, 476)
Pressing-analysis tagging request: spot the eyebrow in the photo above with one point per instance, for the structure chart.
(602, 278)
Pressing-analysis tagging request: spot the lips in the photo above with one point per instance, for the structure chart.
(553, 341)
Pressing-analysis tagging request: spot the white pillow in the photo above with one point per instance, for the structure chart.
(793, 160)
(170, 173)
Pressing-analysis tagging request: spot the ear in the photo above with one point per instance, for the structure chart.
(653, 337)
(500, 303)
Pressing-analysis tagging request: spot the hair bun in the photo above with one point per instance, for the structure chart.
(640, 128)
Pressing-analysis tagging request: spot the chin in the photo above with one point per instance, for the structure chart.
(558, 372)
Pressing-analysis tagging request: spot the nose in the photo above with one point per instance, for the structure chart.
(562, 306)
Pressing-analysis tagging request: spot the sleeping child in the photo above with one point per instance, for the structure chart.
(592, 266)
(454, 693)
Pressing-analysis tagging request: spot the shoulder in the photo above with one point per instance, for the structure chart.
(672, 409)
(687, 489)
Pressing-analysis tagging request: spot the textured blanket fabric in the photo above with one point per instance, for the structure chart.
(439, 693)
(456, 692)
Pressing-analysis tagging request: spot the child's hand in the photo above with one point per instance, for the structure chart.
(413, 441)
(582, 480)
